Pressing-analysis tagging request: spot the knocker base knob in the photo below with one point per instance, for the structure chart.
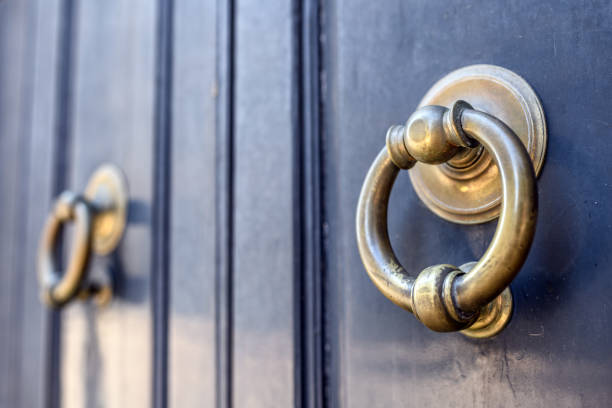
(431, 300)
(433, 305)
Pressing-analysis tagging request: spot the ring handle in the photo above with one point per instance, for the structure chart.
(100, 217)
(59, 288)
(444, 297)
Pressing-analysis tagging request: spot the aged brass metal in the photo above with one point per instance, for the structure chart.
(466, 189)
(100, 218)
(474, 298)
(493, 317)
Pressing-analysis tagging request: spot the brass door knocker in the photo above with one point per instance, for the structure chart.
(100, 217)
(457, 157)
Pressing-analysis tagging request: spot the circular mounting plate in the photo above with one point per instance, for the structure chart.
(472, 194)
(494, 317)
(107, 193)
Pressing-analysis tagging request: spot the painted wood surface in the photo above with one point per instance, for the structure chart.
(245, 130)
(107, 353)
(192, 272)
(380, 61)
(264, 187)
(28, 32)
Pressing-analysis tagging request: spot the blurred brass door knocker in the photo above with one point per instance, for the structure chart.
(100, 217)
(457, 155)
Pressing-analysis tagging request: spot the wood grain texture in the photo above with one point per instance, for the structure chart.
(107, 353)
(264, 187)
(379, 62)
(192, 267)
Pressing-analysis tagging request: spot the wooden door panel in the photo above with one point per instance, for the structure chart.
(263, 252)
(380, 62)
(107, 352)
(37, 352)
(192, 273)
(27, 119)
(208, 90)
(13, 45)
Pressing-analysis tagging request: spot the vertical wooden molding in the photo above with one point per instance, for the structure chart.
(161, 201)
(301, 298)
(224, 203)
(324, 37)
(309, 332)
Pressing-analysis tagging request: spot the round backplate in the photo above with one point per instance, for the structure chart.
(472, 194)
(107, 193)
(494, 317)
